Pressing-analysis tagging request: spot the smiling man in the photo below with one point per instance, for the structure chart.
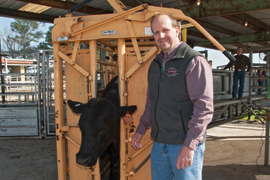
(179, 105)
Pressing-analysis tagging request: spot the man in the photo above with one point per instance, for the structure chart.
(240, 72)
(179, 105)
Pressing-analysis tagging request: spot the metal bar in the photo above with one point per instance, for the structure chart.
(18, 74)
(73, 142)
(266, 154)
(104, 71)
(2, 77)
(125, 13)
(76, 66)
(136, 67)
(93, 69)
(140, 151)
(48, 82)
(59, 116)
(134, 41)
(223, 110)
(106, 63)
(74, 53)
(207, 35)
(121, 66)
(140, 166)
(18, 84)
(250, 79)
(43, 89)
(93, 66)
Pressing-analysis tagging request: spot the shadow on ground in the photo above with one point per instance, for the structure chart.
(233, 151)
(235, 172)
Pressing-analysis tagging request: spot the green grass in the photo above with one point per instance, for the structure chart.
(253, 117)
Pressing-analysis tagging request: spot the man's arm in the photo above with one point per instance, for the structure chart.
(200, 88)
(144, 124)
(228, 65)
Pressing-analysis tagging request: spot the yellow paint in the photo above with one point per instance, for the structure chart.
(125, 33)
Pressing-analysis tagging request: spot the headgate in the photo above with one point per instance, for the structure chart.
(125, 34)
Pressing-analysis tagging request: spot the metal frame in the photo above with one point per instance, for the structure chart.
(87, 29)
(266, 66)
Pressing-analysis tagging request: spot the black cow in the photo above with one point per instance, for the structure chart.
(100, 126)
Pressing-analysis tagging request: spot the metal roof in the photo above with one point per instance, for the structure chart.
(224, 20)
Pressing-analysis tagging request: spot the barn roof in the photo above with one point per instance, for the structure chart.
(231, 22)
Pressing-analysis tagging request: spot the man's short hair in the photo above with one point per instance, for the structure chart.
(240, 47)
(173, 20)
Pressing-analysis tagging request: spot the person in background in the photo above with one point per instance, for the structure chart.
(264, 74)
(260, 81)
(210, 63)
(179, 105)
(242, 62)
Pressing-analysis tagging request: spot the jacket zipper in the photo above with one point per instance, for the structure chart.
(159, 82)
(183, 124)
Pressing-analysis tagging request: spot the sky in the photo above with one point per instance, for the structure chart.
(216, 56)
(5, 24)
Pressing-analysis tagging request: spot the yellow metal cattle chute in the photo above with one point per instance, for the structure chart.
(78, 41)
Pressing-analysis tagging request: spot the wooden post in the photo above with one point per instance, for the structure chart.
(59, 114)
(121, 66)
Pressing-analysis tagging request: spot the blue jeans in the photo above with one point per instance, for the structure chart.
(260, 89)
(163, 163)
(238, 76)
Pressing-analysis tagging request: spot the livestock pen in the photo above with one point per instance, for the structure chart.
(84, 42)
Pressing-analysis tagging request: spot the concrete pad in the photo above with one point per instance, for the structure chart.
(234, 151)
(263, 177)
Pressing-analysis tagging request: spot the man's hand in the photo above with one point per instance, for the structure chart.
(246, 73)
(136, 141)
(185, 157)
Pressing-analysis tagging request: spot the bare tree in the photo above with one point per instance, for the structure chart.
(9, 40)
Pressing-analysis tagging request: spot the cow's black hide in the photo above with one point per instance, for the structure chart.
(100, 126)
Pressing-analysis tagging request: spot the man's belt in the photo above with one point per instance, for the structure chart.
(240, 70)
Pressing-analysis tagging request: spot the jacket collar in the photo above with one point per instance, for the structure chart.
(179, 54)
(182, 50)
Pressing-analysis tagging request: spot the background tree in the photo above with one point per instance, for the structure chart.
(26, 31)
(9, 40)
(47, 44)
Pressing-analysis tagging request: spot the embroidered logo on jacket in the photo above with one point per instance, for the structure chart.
(172, 72)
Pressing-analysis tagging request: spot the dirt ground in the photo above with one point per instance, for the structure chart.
(231, 152)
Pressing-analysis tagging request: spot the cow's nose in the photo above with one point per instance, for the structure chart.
(81, 160)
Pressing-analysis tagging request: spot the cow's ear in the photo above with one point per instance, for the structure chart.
(76, 107)
(124, 109)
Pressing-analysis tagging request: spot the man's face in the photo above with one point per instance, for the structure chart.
(239, 51)
(166, 37)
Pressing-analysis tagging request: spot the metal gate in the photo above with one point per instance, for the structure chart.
(19, 104)
(47, 92)
(27, 100)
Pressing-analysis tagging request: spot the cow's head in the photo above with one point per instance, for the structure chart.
(99, 124)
